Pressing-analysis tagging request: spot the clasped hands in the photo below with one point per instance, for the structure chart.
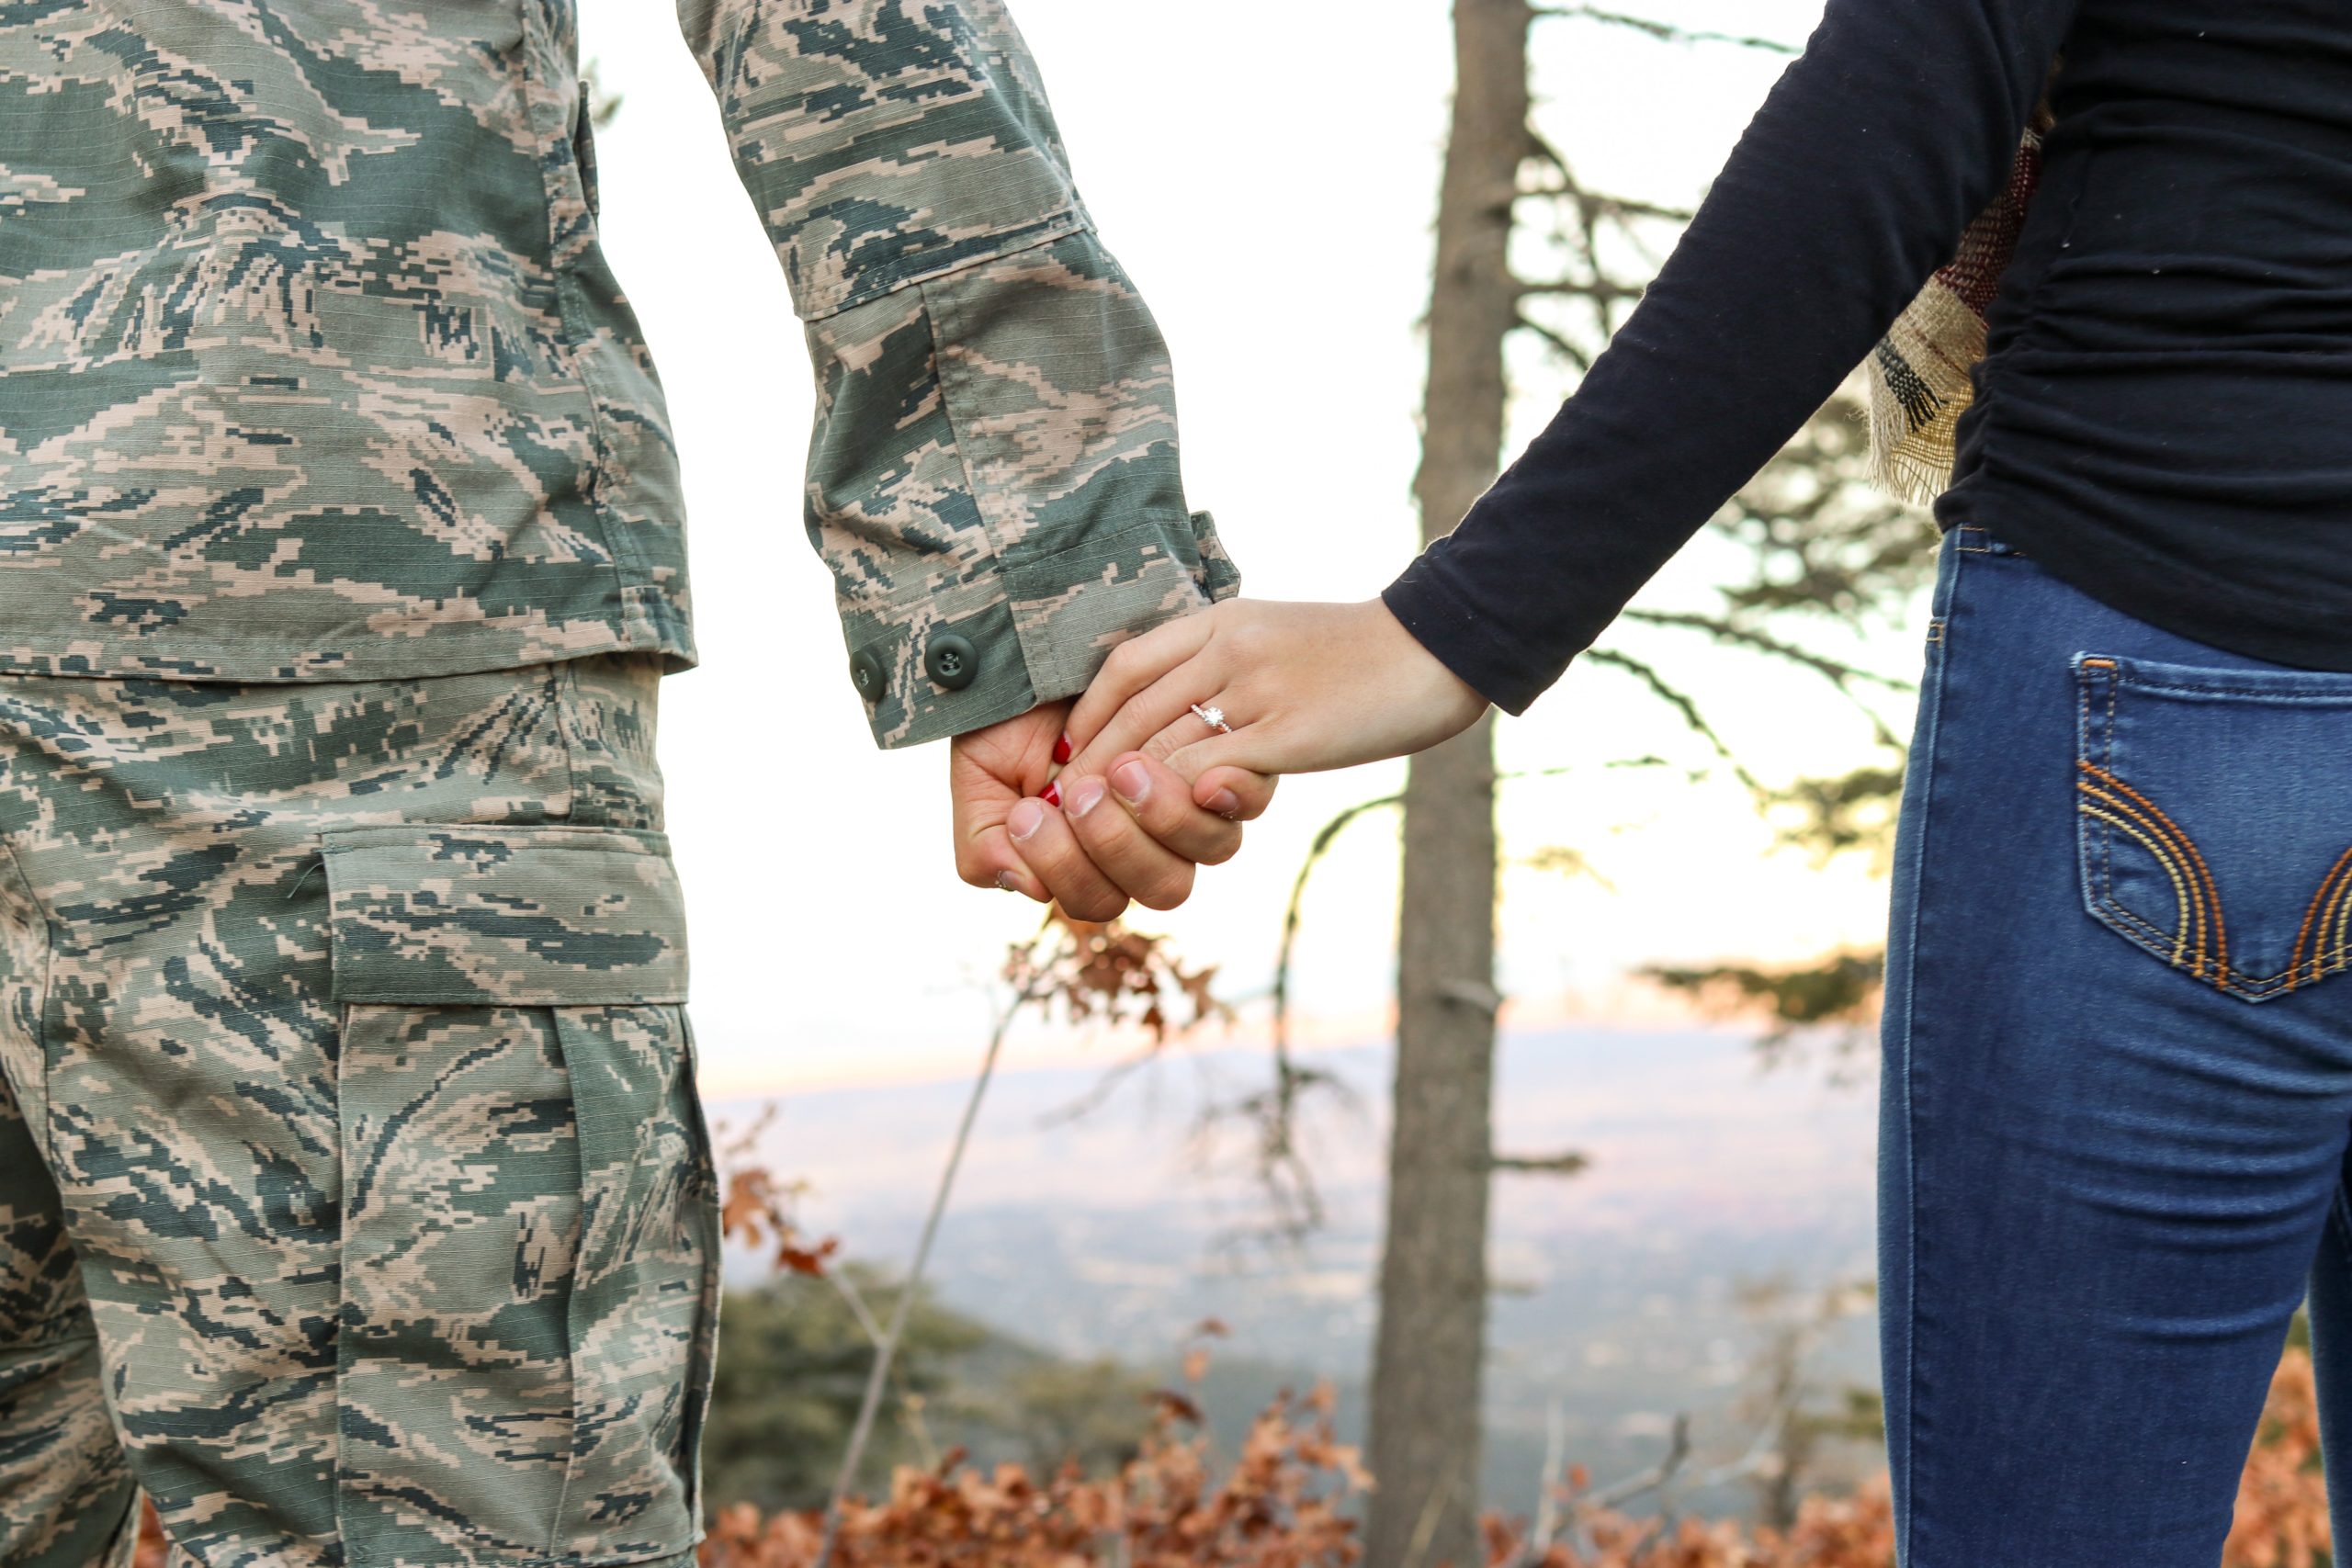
(1122, 794)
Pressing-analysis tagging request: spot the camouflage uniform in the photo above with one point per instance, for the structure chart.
(353, 1199)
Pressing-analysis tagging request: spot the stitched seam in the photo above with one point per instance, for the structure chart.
(2311, 913)
(1933, 719)
(2339, 693)
(2341, 913)
(45, 1134)
(564, 689)
(1063, 223)
(570, 307)
(2221, 929)
(2168, 849)
(2144, 933)
(2180, 888)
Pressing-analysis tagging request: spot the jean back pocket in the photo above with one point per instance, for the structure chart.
(2214, 812)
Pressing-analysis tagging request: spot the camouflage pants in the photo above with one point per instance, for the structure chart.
(354, 1202)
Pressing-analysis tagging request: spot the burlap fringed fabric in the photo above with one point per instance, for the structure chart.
(1918, 375)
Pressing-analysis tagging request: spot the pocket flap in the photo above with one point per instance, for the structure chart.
(519, 916)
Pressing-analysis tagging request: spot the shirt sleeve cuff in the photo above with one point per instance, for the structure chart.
(1448, 623)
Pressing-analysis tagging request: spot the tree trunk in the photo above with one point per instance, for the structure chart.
(1429, 1356)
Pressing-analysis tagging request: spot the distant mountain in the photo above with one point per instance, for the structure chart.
(1620, 1289)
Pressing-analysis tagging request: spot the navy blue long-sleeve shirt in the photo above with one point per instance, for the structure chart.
(2163, 417)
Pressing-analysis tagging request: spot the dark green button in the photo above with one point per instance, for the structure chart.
(866, 672)
(952, 661)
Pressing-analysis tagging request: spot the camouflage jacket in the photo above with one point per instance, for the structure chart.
(312, 368)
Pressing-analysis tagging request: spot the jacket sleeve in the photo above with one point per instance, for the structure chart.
(993, 474)
(1855, 181)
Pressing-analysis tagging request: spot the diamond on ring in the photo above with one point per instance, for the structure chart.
(1213, 716)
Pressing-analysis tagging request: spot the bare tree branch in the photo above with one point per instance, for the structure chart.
(1558, 343)
(1662, 31)
(885, 1350)
(1678, 1449)
(1682, 704)
(1566, 1163)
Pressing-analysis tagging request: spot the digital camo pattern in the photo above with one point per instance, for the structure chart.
(310, 365)
(65, 1494)
(424, 1278)
(311, 368)
(977, 471)
(995, 453)
(545, 917)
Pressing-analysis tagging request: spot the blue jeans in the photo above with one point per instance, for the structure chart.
(2119, 1077)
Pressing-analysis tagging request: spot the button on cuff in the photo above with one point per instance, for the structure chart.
(951, 661)
(866, 674)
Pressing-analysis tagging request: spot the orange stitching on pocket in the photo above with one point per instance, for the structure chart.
(2194, 914)
(2207, 904)
(2170, 861)
(2340, 911)
(2304, 936)
(2220, 930)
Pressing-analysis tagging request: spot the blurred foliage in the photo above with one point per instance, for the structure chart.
(1279, 1503)
(1095, 1413)
(1852, 813)
(792, 1368)
(1838, 993)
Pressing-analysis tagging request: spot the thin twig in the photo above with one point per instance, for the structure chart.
(1836, 670)
(1547, 1489)
(1677, 1451)
(887, 1350)
(1425, 1528)
(847, 1287)
(1682, 704)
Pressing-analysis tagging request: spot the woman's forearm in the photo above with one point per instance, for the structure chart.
(1853, 183)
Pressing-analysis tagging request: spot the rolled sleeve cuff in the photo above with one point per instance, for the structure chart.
(1062, 615)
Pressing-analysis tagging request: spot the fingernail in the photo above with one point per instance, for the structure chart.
(1084, 796)
(1225, 803)
(1025, 819)
(1051, 795)
(1132, 781)
(1062, 752)
(1008, 881)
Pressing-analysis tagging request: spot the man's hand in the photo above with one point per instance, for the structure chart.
(1135, 834)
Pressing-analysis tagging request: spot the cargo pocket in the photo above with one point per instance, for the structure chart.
(2214, 818)
(529, 1223)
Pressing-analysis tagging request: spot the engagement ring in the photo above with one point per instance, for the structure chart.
(1213, 716)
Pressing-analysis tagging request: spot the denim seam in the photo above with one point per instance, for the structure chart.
(2167, 688)
(1932, 716)
(2154, 938)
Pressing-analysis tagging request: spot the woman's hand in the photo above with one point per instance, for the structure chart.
(1302, 686)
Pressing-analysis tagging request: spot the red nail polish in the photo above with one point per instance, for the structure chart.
(1061, 750)
(1051, 795)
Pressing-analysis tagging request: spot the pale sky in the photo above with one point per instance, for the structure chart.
(1267, 173)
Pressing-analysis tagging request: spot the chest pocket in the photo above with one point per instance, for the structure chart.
(530, 1226)
(2214, 811)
